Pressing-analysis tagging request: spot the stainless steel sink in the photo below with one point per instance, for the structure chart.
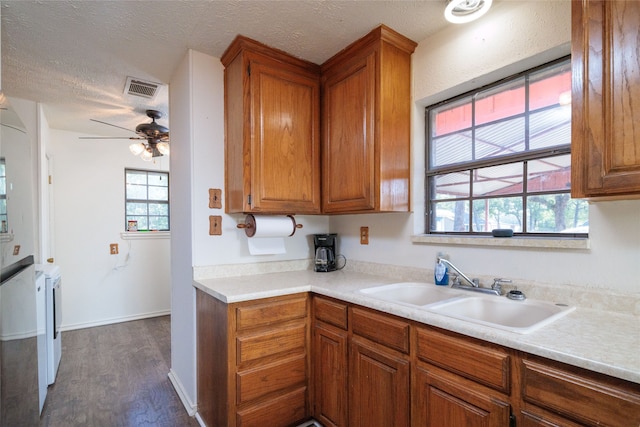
(498, 312)
(411, 293)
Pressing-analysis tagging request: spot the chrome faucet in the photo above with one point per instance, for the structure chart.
(464, 276)
(473, 284)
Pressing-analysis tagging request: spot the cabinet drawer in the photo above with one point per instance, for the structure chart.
(259, 382)
(590, 399)
(286, 410)
(331, 312)
(269, 312)
(279, 341)
(381, 329)
(481, 363)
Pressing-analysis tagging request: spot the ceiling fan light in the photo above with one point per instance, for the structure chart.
(463, 11)
(163, 148)
(147, 155)
(137, 148)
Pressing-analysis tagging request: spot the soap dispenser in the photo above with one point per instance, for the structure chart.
(441, 272)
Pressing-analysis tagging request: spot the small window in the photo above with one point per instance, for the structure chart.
(500, 157)
(146, 200)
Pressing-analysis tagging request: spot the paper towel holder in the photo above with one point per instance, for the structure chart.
(250, 225)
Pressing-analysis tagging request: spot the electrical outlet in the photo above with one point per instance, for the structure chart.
(364, 235)
(113, 248)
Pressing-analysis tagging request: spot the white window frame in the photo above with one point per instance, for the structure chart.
(146, 200)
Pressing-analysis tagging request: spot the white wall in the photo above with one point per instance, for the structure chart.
(88, 188)
(183, 368)
(512, 37)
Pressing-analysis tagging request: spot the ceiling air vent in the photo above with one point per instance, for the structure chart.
(137, 87)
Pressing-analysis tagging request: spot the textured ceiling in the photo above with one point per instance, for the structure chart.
(74, 56)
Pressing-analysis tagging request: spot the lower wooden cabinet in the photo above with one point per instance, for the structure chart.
(460, 381)
(557, 394)
(445, 400)
(256, 360)
(253, 361)
(375, 369)
(379, 386)
(330, 375)
(361, 366)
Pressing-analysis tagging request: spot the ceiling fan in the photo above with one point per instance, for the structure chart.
(156, 135)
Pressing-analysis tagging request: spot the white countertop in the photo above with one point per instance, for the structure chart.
(601, 341)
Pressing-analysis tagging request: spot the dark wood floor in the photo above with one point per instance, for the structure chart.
(116, 375)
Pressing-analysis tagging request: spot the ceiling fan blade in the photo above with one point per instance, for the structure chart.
(109, 124)
(13, 127)
(109, 137)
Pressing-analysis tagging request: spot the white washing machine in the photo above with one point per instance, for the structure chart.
(53, 289)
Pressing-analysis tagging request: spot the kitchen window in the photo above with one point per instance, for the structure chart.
(500, 157)
(146, 200)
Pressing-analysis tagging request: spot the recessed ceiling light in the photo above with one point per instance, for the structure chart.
(463, 11)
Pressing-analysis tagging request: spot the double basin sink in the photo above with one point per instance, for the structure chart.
(493, 311)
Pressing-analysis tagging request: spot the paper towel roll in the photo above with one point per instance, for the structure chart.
(270, 226)
(266, 233)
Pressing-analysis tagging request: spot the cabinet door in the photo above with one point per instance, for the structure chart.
(445, 400)
(585, 397)
(330, 375)
(285, 147)
(606, 98)
(379, 386)
(348, 157)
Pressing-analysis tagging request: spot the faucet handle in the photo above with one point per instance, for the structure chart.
(497, 284)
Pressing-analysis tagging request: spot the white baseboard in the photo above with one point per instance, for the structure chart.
(184, 398)
(114, 320)
(311, 423)
(199, 420)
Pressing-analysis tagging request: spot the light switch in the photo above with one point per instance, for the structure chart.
(215, 198)
(215, 225)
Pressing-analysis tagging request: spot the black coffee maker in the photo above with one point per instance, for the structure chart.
(325, 252)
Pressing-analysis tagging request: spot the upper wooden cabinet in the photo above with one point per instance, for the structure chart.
(366, 116)
(272, 130)
(606, 99)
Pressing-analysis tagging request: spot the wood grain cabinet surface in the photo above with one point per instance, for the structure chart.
(361, 366)
(460, 381)
(276, 362)
(379, 369)
(272, 130)
(605, 160)
(253, 361)
(444, 399)
(330, 362)
(557, 394)
(366, 121)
